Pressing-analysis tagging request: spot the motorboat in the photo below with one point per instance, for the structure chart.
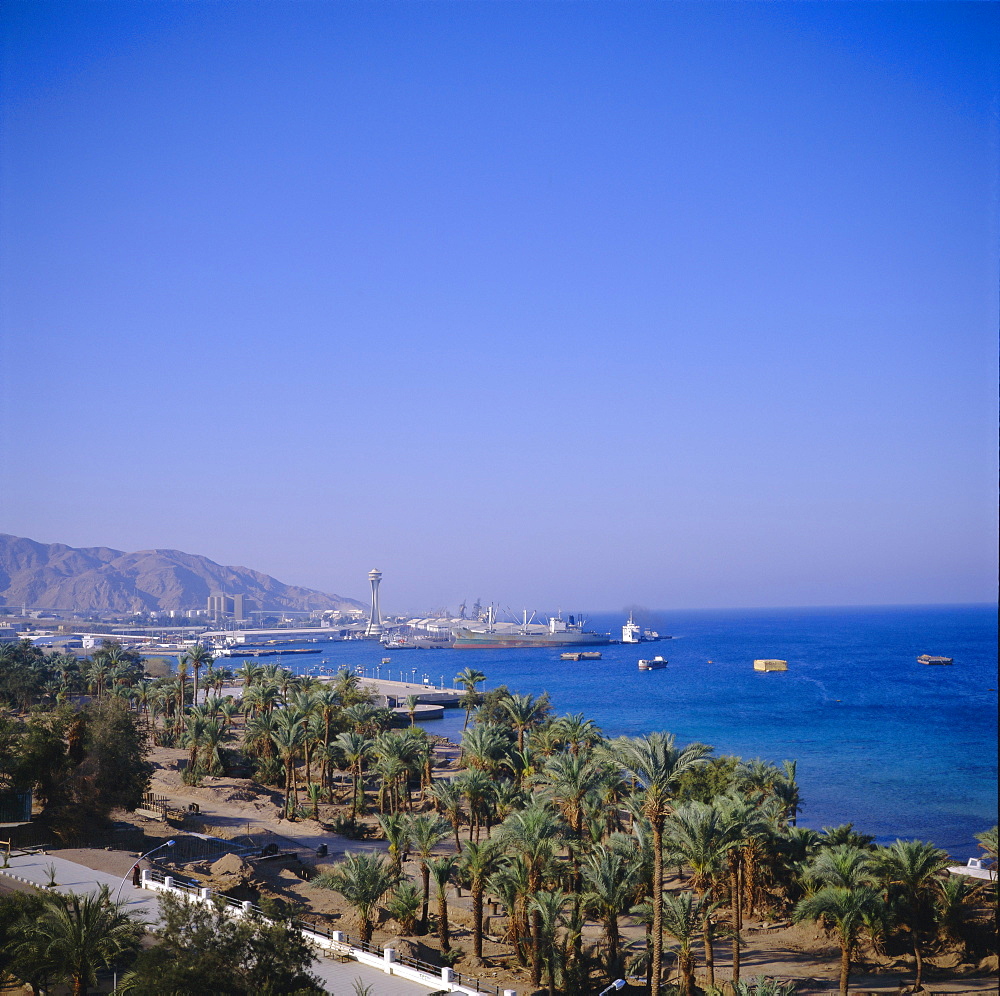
(653, 664)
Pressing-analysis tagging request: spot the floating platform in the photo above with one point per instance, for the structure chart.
(770, 665)
(930, 659)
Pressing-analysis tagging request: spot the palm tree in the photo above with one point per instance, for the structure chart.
(447, 796)
(363, 717)
(549, 909)
(195, 724)
(441, 870)
(357, 748)
(287, 738)
(842, 865)
(398, 756)
(314, 791)
(249, 674)
(697, 832)
(847, 912)
(572, 778)
(412, 701)
(610, 882)
(954, 907)
(743, 827)
(786, 791)
(988, 842)
(533, 834)
(477, 789)
(260, 698)
(396, 828)
(77, 935)
(510, 883)
(362, 879)
(258, 735)
(656, 763)
(911, 870)
(683, 917)
(477, 863)
(484, 747)
(469, 678)
(182, 666)
(523, 711)
(348, 690)
(143, 697)
(426, 832)
(577, 732)
(404, 906)
(328, 705)
(228, 708)
(762, 986)
(97, 676)
(198, 656)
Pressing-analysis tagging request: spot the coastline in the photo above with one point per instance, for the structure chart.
(897, 748)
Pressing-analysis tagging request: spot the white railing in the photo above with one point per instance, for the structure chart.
(333, 942)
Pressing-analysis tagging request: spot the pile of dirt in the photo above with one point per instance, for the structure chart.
(230, 870)
(403, 947)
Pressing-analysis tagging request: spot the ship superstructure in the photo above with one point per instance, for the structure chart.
(631, 631)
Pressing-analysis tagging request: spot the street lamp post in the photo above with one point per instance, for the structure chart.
(169, 843)
(617, 984)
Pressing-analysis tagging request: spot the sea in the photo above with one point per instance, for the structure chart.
(898, 748)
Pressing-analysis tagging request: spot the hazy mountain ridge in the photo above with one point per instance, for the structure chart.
(56, 576)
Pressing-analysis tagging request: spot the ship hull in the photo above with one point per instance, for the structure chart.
(471, 640)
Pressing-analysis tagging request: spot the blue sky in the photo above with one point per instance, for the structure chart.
(576, 304)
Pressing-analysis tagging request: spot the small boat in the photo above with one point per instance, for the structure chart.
(590, 655)
(653, 664)
(386, 660)
(930, 659)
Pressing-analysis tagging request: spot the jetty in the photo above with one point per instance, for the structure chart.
(431, 701)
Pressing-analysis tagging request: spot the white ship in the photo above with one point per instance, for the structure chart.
(631, 631)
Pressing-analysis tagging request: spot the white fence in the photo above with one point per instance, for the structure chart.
(335, 942)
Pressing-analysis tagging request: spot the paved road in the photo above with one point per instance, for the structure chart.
(338, 978)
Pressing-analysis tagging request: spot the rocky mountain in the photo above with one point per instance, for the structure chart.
(56, 576)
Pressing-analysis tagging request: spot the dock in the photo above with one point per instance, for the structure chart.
(432, 701)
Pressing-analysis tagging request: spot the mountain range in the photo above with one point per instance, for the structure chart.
(56, 576)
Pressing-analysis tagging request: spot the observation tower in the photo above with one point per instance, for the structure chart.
(374, 627)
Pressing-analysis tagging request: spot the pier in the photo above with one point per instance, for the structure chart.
(432, 701)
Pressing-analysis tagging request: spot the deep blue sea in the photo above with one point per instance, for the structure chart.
(898, 748)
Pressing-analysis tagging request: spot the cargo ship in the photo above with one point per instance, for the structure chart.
(558, 632)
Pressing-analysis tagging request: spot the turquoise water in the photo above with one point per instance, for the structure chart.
(897, 747)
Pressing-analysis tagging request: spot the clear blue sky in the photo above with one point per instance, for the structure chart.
(575, 304)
